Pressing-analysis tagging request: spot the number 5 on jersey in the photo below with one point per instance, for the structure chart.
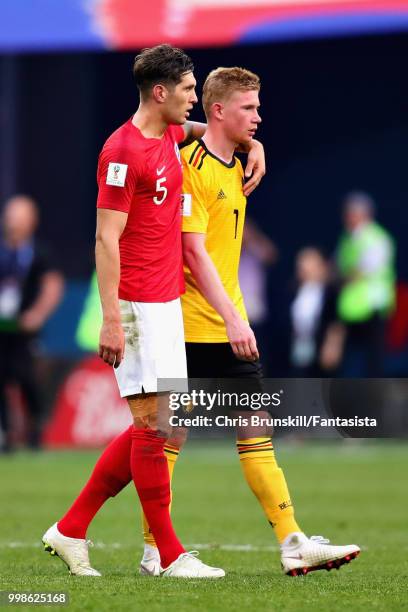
(160, 188)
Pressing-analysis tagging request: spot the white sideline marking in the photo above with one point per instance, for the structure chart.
(194, 546)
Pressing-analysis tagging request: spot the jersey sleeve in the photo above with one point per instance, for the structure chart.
(194, 200)
(117, 179)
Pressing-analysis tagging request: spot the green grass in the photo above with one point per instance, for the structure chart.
(347, 492)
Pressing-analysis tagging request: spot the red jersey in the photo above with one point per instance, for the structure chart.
(143, 177)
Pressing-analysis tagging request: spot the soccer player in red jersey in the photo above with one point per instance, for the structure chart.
(140, 277)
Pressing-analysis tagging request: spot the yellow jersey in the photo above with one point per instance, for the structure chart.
(213, 204)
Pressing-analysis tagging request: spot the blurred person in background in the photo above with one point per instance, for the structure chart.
(365, 260)
(316, 334)
(257, 255)
(30, 290)
(90, 321)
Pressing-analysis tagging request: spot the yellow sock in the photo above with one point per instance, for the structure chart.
(268, 483)
(171, 453)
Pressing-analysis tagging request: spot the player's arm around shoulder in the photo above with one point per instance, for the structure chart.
(109, 228)
(193, 130)
(255, 168)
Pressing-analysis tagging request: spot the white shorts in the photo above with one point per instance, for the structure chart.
(154, 348)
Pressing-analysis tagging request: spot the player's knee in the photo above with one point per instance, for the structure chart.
(151, 410)
(144, 410)
(142, 423)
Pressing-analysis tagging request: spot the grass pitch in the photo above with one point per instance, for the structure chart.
(348, 492)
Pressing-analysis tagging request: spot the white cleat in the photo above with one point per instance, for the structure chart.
(150, 563)
(188, 566)
(300, 554)
(73, 551)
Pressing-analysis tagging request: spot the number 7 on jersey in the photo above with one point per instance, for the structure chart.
(236, 213)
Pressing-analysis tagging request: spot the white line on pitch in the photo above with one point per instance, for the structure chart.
(194, 546)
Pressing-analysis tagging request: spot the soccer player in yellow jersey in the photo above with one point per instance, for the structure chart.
(219, 340)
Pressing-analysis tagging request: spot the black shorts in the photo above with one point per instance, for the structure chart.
(217, 360)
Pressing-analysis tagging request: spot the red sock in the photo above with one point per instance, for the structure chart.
(151, 477)
(110, 475)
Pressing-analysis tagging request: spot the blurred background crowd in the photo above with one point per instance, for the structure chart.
(324, 264)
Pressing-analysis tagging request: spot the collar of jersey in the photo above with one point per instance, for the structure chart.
(230, 165)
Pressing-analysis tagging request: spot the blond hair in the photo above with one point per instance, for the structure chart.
(222, 82)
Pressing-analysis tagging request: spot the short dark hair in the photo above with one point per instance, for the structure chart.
(161, 64)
